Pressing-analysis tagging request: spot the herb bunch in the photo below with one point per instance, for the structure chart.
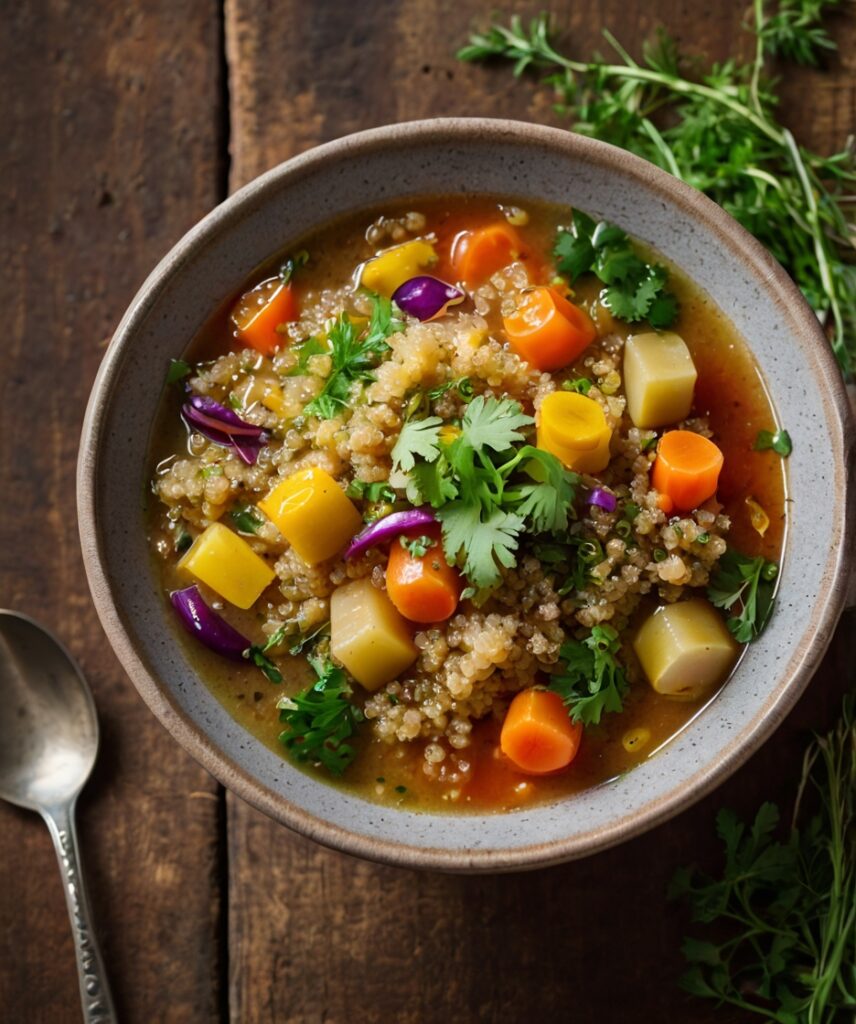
(784, 910)
(719, 131)
(591, 680)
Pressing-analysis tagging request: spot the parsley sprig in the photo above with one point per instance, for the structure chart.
(719, 131)
(749, 583)
(320, 719)
(355, 354)
(783, 911)
(634, 290)
(488, 485)
(592, 680)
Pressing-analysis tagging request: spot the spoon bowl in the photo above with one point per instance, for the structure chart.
(48, 745)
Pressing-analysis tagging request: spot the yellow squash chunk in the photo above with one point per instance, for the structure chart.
(685, 649)
(659, 378)
(367, 634)
(311, 511)
(226, 563)
(392, 268)
(575, 430)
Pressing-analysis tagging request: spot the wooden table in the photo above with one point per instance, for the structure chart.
(123, 124)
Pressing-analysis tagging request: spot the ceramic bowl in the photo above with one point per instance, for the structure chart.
(460, 156)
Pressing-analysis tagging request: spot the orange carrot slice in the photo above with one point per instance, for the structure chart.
(548, 331)
(478, 254)
(261, 310)
(424, 588)
(686, 469)
(537, 734)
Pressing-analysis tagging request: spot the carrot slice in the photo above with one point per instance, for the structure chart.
(478, 254)
(261, 310)
(548, 331)
(424, 588)
(686, 469)
(537, 734)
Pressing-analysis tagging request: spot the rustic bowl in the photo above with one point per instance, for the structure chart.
(467, 156)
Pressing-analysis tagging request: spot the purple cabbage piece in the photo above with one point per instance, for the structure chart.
(426, 297)
(388, 528)
(602, 498)
(223, 427)
(206, 625)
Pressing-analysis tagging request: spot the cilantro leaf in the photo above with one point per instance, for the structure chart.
(431, 482)
(487, 541)
(574, 251)
(547, 503)
(258, 657)
(320, 718)
(592, 680)
(493, 423)
(779, 442)
(305, 351)
(417, 438)
(749, 582)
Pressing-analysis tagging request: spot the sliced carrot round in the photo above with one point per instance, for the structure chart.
(424, 588)
(478, 254)
(259, 312)
(548, 331)
(686, 469)
(537, 734)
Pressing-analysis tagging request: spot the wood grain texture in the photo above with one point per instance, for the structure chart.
(110, 150)
(316, 936)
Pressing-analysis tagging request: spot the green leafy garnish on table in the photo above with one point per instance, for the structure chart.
(719, 131)
(591, 681)
(634, 289)
(778, 441)
(749, 583)
(782, 913)
(355, 354)
(320, 719)
(487, 484)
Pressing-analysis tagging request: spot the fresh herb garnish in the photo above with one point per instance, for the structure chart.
(749, 582)
(581, 385)
(258, 657)
(783, 910)
(482, 506)
(246, 518)
(292, 264)
(778, 441)
(299, 641)
(183, 541)
(305, 351)
(417, 547)
(634, 290)
(718, 131)
(320, 719)
(380, 490)
(592, 680)
(462, 385)
(212, 470)
(178, 370)
(354, 355)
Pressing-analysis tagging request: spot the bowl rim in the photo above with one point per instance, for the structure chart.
(792, 680)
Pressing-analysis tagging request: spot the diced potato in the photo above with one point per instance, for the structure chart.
(392, 268)
(685, 649)
(367, 634)
(313, 514)
(659, 378)
(226, 563)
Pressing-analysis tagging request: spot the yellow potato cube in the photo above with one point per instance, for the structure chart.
(226, 563)
(685, 649)
(574, 429)
(392, 268)
(368, 635)
(311, 511)
(659, 378)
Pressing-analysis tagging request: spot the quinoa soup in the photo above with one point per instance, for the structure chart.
(467, 503)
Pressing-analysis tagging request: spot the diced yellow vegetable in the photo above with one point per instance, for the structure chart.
(685, 649)
(635, 740)
(757, 516)
(659, 378)
(367, 634)
(575, 430)
(313, 514)
(392, 268)
(226, 563)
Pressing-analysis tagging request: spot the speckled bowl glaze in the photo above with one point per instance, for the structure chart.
(453, 157)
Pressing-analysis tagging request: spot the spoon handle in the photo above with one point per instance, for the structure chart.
(94, 988)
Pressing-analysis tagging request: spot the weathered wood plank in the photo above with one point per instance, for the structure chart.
(110, 150)
(315, 936)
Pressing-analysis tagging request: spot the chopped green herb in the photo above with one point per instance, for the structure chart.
(635, 290)
(703, 538)
(463, 386)
(749, 582)
(178, 370)
(213, 470)
(261, 660)
(305, 351)
(591, 681)
(292, 264)
(401, 789)
(320, 719)
(304, 641)
(660, 555)
(779, 442)
(378, 491)
(233, 402)
(392, 699)
(417, 547)
(648, 443)
(581, 385)
(246, 518)
(354, 356)
(183, 542)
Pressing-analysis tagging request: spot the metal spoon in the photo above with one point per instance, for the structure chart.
(48, 743)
